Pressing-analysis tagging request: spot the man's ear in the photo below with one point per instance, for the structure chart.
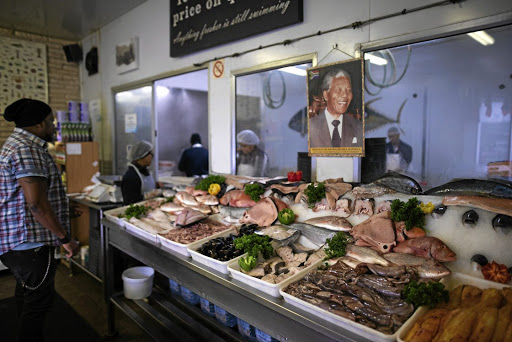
(324, 95)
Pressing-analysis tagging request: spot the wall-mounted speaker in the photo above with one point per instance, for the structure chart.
(73, 52)
(91, 61)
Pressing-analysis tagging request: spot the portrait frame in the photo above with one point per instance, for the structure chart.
(319, 137)
(127, 55)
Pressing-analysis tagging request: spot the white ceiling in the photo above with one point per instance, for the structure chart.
(65, 19)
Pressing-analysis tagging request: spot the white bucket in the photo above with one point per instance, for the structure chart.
(138, 282)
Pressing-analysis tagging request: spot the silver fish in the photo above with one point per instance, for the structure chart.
(281, 235)
(370, 191)
(316, 235)
(234, 212)
(366, 254)
(398, 182)
(386, 271)
(331, 222)
(473, 187)
(169, 192)
(404, 259)
(431, 269)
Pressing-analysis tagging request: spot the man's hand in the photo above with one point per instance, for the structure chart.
(74, 211)
(71, 247)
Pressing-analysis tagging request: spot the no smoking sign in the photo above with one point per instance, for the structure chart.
(218, 68)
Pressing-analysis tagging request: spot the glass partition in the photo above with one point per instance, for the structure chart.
(444, 105)
(181, 109)
(272, 104)
(133, 115)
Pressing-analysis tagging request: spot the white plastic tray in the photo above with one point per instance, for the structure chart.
(221, 266)
(141, 233)
(450, 282)
(261, 285)
(357, 328)
(182, 249)
(112, 215)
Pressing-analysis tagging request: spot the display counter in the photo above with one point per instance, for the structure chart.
(88, 230)
(271, 315)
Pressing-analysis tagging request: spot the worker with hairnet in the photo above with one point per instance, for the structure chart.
(137, 183)
(250, 159)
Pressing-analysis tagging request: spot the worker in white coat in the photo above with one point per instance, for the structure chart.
(250, 159)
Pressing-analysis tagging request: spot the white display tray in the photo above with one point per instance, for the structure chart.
(141, 233)
(182, 249)
(272, 289)
(357, 328)
(112, 215)
(221, 266)
(450, 282)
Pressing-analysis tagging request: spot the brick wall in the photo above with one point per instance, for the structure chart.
(63, 76)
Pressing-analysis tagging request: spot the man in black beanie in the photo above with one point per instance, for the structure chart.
(194, 160)
(34, 213)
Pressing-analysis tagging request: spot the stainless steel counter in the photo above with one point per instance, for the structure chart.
(96, 232)
(272, 315)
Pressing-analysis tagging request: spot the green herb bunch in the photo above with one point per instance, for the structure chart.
(429, 293)
(204, 184)
(315, 193)
(254, 191)
(409, 212)
(336, 246)
(253, 244)
(135, 210)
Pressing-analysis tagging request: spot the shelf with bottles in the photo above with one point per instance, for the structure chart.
(74, 131)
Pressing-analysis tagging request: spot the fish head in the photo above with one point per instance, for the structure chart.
(441, 252)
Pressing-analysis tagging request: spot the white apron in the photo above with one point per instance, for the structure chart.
(148, 183)
(246, 170)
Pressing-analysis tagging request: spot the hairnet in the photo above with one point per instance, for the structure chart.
(139, 150)
(27, 112)
(247, 137)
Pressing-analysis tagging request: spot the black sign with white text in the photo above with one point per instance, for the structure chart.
(200, 24)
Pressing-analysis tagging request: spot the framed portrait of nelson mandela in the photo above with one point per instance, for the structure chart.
(336, 109)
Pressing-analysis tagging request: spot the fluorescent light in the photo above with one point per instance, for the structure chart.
(294, 70)
(482, 37)
(162, 91)
(375, 59)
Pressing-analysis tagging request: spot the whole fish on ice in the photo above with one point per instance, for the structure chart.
(428, 247)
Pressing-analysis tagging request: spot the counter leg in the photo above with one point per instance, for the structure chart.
(108, 286)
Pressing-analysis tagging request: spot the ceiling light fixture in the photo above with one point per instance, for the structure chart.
(482, 37)
(375, 59)
(162, 91)
(294, 70)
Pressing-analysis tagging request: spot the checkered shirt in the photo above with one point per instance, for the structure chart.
(26, 155)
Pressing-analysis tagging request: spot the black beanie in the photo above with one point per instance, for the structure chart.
(27, 112)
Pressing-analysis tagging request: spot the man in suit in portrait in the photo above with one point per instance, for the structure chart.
(334, 126)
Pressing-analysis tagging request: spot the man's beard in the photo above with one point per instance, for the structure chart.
(49, 138)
